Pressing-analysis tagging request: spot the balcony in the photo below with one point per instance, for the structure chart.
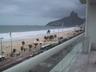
(60, 58)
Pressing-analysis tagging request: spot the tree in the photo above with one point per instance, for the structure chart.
(40, 44)
(37, 39)
(83, 1)
(46, 38)
(14, 50)
(55, 36)
(23, 42)
(51, 37)
(22, 48)
(30, 46)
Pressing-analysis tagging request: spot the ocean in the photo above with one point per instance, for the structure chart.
(21, 32)
(23, 28)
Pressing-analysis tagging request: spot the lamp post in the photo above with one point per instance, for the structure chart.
(11, 40)
(1, 46)
(62, 28)
(58, 34)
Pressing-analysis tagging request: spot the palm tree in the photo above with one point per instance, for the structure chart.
(36, 43)
(46, 38)
(37, 39)
(22, 48)
(51, 37)
(40, 45)
(60, 38)
(23, 43)
(55, 36)
(30, 46)
(14, 50)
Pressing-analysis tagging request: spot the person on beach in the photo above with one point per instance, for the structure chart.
(48, 32)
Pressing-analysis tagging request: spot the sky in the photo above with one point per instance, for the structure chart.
(37, 12)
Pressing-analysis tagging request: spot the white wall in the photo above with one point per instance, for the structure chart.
(91, 21)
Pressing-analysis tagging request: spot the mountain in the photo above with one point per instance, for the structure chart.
(69, 21)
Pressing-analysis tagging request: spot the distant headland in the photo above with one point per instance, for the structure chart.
(72, 20)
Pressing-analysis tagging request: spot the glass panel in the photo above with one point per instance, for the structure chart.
(70, 51)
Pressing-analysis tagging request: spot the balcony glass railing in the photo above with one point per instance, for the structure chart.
(49, 60)
(54, 62)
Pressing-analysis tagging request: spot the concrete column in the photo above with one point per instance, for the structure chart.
(91, 22)
(86, 42)
(86, 45)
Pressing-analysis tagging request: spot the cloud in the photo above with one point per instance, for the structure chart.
(38, 7)
(49, 9)
(63, 8)
(9, 9)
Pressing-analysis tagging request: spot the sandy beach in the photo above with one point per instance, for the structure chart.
(16, 44)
